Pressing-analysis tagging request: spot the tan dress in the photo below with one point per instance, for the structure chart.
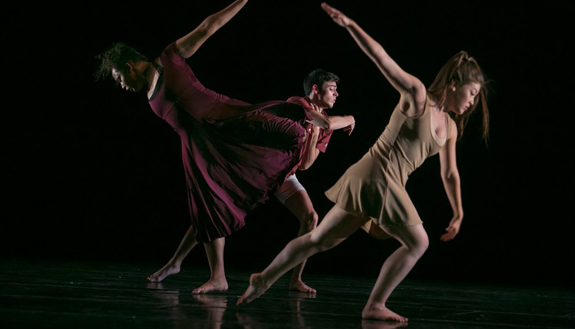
(375, 185)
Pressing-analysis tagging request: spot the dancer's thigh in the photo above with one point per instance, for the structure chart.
(338, 224)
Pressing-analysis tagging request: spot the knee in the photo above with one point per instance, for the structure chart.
(420, 246)
(309, 221)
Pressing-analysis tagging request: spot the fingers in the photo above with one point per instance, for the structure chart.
(330, 10)
(451, 233)
(349, 128)
(447, 236)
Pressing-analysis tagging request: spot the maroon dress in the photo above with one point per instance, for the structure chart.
(234, 154)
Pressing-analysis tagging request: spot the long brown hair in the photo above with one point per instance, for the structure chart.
(461, 69)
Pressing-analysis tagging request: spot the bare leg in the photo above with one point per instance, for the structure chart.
(300, 205)
(173, 266)
(414, 243)
(337, 225)
(217, 282)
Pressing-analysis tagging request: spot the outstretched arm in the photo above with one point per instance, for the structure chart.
(402, 81)
(191, 42)
(452, 184)
(333, 122)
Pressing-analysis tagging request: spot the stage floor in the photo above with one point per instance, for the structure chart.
(67, 294)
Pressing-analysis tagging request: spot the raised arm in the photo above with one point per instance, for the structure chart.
(402, 81)
(452, 184)
(191, 42)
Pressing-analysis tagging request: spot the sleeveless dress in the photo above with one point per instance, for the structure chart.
(374, 186)
(235, 155)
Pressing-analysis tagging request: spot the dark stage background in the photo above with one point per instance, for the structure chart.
(90, 173)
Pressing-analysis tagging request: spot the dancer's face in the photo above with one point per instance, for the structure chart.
(327, 94)
(127, 79)
(461, 98)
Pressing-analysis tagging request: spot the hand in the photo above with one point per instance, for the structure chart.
(338, 17)
(349, 128)
(452, 229)
(315, 129)
(318, 119)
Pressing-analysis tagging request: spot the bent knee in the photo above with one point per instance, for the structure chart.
(309, 220)
(420, 246)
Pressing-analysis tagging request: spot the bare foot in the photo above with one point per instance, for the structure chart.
(257, 288)
(212, 286)
(301, 287)
(163, 273)
(374, 324)
(381, 313)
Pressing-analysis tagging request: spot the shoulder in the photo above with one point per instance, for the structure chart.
(171, 51)
(414, 104)
(298, 100)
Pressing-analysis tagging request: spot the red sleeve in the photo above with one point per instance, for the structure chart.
(173, 55)
(324, 140)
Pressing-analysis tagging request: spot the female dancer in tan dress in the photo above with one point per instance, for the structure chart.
(371, 194)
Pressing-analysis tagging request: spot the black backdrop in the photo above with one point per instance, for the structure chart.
(90, 173)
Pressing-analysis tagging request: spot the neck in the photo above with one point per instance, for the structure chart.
(314, 101)
(436, 106)
(148, 72)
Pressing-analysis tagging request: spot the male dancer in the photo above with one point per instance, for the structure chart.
(320, 88)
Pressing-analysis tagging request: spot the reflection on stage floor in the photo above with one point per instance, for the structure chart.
(67, 294)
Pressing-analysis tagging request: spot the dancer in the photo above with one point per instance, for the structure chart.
(371, 194)
(320, 88)
(234, 154)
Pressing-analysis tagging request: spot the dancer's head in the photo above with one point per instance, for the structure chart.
(120, 62)
(458, 87)
(321, 87)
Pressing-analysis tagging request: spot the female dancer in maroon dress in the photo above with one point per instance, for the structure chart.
(235, 154)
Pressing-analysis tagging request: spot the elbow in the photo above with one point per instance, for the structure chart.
(328, 124)
(309, 159)
(303, 166)
(450, 176)
(210, 25)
